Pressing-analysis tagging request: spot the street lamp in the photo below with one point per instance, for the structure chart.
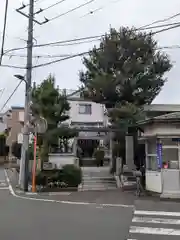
(20, 77)
(24, 163)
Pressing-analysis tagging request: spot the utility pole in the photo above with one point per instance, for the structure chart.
(24, 163)
(4, 31)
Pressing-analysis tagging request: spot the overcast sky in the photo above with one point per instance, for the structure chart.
(114, 13)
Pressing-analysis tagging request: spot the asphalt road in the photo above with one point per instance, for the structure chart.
(29, 219)
(157, 220)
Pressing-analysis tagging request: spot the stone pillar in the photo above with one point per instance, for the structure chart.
(111, 148)
(76, 160)
(75, 146)
(146, 155)
(129, 153)
(118, 166)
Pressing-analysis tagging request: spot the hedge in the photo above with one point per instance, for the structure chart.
(69, 176)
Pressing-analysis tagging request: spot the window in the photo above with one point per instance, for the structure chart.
(85, 109)
(152, 162)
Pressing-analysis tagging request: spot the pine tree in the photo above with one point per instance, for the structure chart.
(49, 103)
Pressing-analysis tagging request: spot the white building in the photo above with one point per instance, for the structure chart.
(86, 112)
(3, 125)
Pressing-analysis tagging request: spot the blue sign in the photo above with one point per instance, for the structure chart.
(159, 154)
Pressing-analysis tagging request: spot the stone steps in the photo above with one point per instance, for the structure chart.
(129, 181)
(97, 179)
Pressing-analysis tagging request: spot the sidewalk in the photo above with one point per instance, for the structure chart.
(100, 197)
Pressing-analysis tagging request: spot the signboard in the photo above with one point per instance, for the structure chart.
(159, 154)
(48, 166)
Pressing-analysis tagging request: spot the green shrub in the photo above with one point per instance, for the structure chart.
(41, 179)
(69, 175)
(72, 175)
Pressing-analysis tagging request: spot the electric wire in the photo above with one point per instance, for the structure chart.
(14, 91)
(161, 20)
(71, 54)
(86, 52)
(94, 38)
(4, 31)
(71, 10)
(49, 7)
(70, 57)
(81, 54)
(100, 8)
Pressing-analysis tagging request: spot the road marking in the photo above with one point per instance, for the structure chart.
(155, 231)
(157, 213)
(3, 184)
(59, 193)
(56, 201)
(4, 188)
(156, 220)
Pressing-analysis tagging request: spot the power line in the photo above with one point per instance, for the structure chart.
(52, 5)
(165, 47)
(39, 56)
(55, 43)
(4, 31)
(100, 8)
(77, 55)
(71, 54)
(16, 88)
(71, 10)
(83, 53)
(161, 20)
(96, 38)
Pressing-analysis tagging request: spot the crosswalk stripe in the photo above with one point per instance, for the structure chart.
(154, 223)
(155, 231)
(157, 213)
(131, 239)
(156, 220)
(4, 188)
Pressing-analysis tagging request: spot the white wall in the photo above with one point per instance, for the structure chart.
(162, 128)
(3, 126)
(61, 159)
(153, 181)
(21, 116)
(97, 112)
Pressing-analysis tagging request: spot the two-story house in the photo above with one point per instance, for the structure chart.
(14, 119)
(91, 120)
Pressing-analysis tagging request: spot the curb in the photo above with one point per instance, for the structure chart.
(43, 193)
(31, 198)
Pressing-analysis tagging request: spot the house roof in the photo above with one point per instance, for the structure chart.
(170, 117)
(174, 115)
